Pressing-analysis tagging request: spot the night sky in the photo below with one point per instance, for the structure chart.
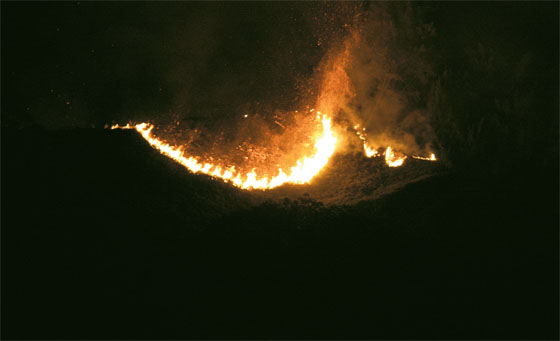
(74, 64)
(103, 237)
(120, 61)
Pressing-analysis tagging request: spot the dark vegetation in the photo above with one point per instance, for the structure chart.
(102, 237)
(494, 99)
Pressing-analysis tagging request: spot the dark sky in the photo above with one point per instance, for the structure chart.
(81, 63)
(489, 75)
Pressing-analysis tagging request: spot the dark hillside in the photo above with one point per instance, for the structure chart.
(102, 237)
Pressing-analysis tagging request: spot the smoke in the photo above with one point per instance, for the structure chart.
(386, 68)
(196, 69)
(364, 64)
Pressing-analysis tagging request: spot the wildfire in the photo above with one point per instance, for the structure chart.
(392, 158)
(335, 90)
(370, 152)
(431, 158)
(304, 170)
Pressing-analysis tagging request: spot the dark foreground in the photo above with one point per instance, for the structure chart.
(104, 238)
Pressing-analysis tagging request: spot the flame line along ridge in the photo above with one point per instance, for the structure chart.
(304, 170)
(392, 159)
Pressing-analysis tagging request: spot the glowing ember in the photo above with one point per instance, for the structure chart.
(304, 170)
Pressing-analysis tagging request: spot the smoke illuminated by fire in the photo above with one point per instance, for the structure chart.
(304, 170)
(336, 90)
(392, 158)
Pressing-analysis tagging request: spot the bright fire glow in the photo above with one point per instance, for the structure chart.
(392, 159)
(431, 158)
(335, 90)
(370, 152)
(304, 170)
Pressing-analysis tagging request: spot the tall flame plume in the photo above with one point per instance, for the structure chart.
(335, 90)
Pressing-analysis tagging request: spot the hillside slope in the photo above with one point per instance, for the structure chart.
(102, 237)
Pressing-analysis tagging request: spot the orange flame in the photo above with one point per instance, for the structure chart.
(392, 159)
(304, 170)
(431, 158)
(370, 152)
(336, 89)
